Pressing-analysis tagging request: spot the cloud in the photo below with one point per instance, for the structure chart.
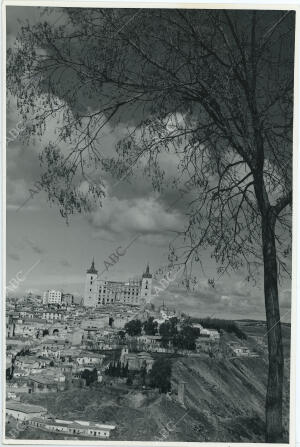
(65, 263)
(14, 256)
(141, 216)
(35, 247)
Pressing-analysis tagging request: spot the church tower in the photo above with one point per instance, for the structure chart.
(146, 286)
(91, 287)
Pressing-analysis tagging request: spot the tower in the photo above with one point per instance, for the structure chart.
(91, 287)
(146, 286)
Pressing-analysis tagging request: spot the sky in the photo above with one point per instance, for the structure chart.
(46, 253)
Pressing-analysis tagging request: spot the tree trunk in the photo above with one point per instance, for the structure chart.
(275, 376)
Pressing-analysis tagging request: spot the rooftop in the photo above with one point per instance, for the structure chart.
(76, 424)
(147, 273)
(92, 269)
(24, 408)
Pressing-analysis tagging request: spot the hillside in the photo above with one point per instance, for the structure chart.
(224, 400)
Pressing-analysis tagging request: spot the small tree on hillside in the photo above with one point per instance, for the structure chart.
(89, 376)
(160, 375)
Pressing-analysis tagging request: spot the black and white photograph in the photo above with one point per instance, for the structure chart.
(148, 187)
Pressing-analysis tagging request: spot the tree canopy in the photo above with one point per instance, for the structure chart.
(150, 326)
(133, 327)
(160, 375)
(214, 88)
(207, 90)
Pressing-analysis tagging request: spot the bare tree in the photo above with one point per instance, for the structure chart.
(213, 87)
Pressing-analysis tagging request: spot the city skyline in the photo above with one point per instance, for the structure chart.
(131, 208)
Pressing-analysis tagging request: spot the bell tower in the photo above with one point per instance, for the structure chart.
(91, 287)
(146, 286)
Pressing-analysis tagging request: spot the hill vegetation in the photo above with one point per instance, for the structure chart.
(226, 325)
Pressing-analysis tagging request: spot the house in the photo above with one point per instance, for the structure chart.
(30, 364)
(12, 395)
(46, 383)
(67, 299)
(212, 333)
(85, 359)
(10, 326)
(42, 385)
(73, 428)
(241, 351)
(197, 326)
(18, 372)
(149, 342)
(23, 412)
(76, 337)
(203, 343)
(16, 389)
(136, 361)
(8, 363)
(145, 359)
(53, 316)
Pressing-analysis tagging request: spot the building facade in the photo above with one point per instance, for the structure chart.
(99, 292)
(78, 428)
(52, 297)
(67, 299)
(23, 412)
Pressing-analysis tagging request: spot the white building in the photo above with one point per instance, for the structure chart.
(52, 297)
(78, 428)
(23, 412)
(99, 292)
